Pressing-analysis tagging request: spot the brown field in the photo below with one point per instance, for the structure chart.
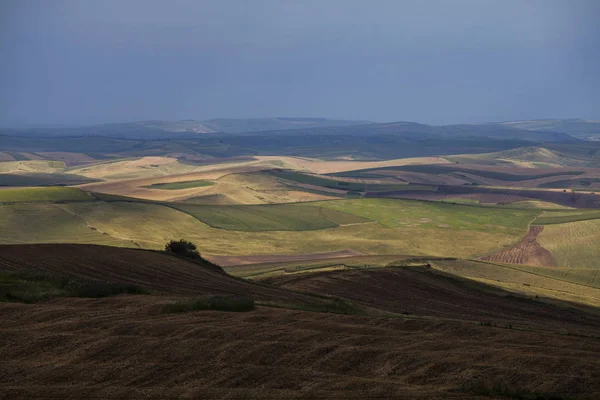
(159, 273)
(328, 167)
(528, 251)
(501, 194)
(6, 157)
(442, 336)
(70, 159)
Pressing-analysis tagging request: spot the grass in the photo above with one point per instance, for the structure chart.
(32, 287)
(48, 223)
(40, 179)
(299, 177)
(575, 285)
(402, 230)
(180, 185)
(574, 244)
(43, 194)
(216, 303)
(561, 217)
(279, 217)
(395, 213)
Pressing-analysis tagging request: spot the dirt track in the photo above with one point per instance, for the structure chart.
(528, 251)
(245, 260)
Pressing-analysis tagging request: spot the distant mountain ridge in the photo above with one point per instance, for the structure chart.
(586, 129)
(309, 127)
(164, 129)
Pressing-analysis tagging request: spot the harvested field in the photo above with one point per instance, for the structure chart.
(563, 284)
(160, 273)
(454, 336)
(42, 194)
(563, 198)
(327, 167)
(276, 217)
(528, 251)
(573, 244)
(424, 291)
(70, 159)
(124, 347)
(276, 258)
(41, 166)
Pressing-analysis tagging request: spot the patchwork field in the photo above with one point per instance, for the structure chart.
(400, 227)
(271, 218)
(180, 185)
(573, 244)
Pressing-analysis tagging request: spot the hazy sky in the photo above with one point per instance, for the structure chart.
(454, 61)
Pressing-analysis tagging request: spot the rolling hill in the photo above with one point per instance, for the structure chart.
(587, 129)
(405, 331)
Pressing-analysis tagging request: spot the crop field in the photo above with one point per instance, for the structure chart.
(151, 225)
(573, 244)
(258, 271)
(40, 179)
(561, 217)
(394, 213)
(48, 223)
(45, 194)
(180, 185)
(586, 183)
(31, 166)
(344, 185)
(452, 169)
(279, 217)
(577, 285)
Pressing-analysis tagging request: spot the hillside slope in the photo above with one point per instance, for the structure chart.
(159, 273)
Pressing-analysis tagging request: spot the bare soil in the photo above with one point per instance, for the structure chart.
(528, 251)
(446, 334)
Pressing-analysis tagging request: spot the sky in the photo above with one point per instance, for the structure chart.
(429, 61)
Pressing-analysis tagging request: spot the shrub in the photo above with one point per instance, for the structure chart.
(31, 287)
(216, 303)
(182, 248)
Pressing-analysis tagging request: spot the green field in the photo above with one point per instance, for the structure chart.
(180, 185)
(48, 223)
(40, 179)
(152, 225)
(573, 244)
(394, 213)
(565, 216)
(276, 217)
(299, 177)
(43, 194)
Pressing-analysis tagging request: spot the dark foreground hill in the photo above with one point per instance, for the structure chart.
(441, 337)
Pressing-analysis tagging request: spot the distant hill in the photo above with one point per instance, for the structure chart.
(164, 129)
(585, 129)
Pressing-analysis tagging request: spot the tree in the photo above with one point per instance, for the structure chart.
(182, 248)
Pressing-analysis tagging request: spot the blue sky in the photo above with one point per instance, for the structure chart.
(438, 62)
